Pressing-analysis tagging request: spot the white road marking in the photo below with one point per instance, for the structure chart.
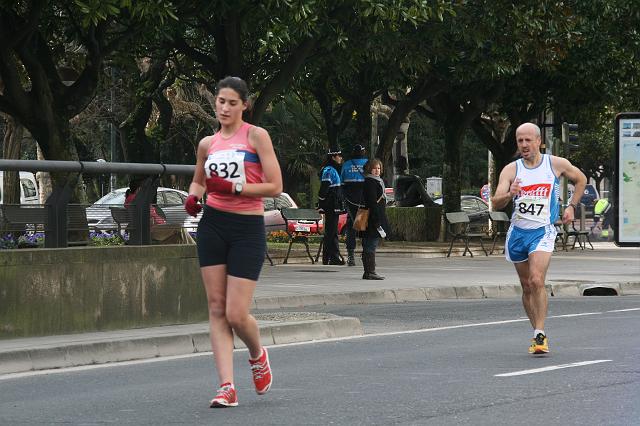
(575, 315)
(174, 357)
(625, 310)
(282, 345)
(552, 367)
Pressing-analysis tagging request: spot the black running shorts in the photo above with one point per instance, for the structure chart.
(231, 239)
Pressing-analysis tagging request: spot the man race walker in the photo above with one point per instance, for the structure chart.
(533, 183)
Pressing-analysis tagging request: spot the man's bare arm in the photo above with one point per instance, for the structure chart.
(507, 187)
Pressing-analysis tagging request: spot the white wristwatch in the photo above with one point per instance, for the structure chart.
(238, 188)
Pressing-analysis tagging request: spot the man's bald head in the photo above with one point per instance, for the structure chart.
(528, 127)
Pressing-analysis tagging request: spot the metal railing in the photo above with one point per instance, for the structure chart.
(57, 213)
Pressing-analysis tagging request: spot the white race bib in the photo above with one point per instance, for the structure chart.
(533, 203)
(228, 164)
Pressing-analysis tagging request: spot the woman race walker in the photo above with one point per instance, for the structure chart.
(236, 167)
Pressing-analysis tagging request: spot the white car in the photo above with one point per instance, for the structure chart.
(28, 188)
(170, 201)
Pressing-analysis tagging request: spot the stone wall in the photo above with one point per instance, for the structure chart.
(59, 291)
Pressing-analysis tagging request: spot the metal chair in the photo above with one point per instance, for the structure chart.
(295, 215)
(458, 227)
(500, 225)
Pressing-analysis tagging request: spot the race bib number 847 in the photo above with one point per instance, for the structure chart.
(533, 202)
(228, 164)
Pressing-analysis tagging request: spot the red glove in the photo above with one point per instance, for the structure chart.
(216, 184)
(192, 206)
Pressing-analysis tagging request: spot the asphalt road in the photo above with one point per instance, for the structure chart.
(436, 363)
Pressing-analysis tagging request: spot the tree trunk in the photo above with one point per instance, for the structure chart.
(138, 147)
(452, 167)
(401, 150)
(55, 141)
(44, 179)
(363, 121)
(11, 147)
(425, 88)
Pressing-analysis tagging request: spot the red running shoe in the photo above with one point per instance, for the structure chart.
(261, 370)
(225, 397)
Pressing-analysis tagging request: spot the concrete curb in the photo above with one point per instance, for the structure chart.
(128, 349)
(299, 256)
(506, 291)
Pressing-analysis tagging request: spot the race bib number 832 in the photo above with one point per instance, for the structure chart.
(228, 164)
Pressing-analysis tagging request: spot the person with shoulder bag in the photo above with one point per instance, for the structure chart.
(377, 225)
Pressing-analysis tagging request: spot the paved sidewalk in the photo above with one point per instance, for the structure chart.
(414, 272)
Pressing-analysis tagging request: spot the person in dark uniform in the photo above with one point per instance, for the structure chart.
(330, 202)
(352, 176)
(377, 227)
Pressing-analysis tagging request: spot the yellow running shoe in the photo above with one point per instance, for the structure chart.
(539, 345)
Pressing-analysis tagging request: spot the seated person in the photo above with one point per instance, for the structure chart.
(409, 191)
(163, 235)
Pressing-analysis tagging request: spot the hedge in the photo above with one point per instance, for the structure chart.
(414, 223)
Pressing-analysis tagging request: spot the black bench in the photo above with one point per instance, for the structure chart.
(302, 221)
(14, 218)
(34, 218)
(458, 224)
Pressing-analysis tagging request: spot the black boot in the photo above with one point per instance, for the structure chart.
(351, 260)
(373, 275)
(369, 262)
(365, 261)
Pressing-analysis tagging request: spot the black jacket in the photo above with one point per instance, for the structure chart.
(376, 203)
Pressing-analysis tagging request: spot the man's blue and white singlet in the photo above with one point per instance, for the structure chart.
(535, 210)
(537, 204)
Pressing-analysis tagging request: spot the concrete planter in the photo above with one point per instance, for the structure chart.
(58, 291)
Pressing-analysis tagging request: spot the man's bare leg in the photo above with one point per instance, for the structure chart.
(532, 274)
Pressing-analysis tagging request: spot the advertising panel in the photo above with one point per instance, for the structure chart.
(627, 179)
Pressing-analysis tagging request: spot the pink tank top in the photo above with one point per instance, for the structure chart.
(235, 160)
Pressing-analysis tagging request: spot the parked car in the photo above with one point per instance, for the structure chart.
(476, 208)
(273, 220)
(28, 188)
(170, 201)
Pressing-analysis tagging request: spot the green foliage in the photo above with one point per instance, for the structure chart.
(106, 239)
(595, 157)
(96, 11)
(414, 223)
